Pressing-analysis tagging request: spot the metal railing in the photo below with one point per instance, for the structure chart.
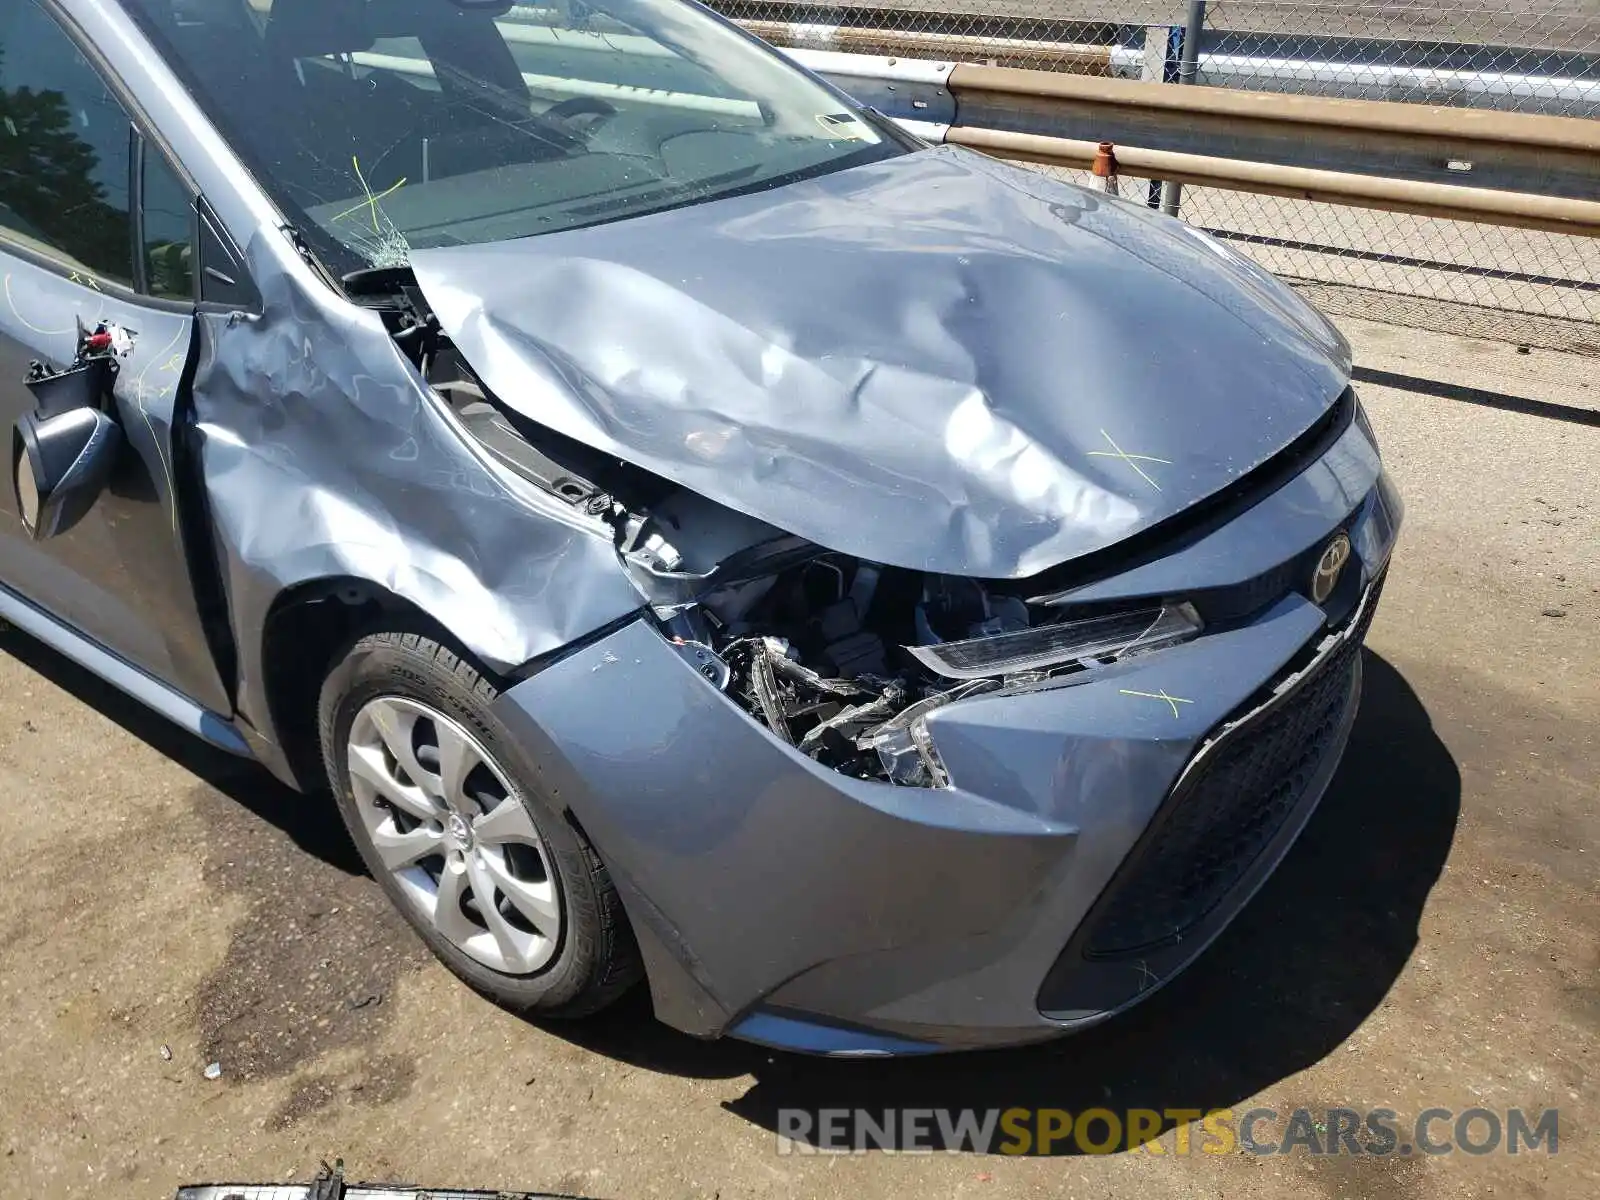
(1394, 158)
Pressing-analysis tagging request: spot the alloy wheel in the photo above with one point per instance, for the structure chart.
(443, 820)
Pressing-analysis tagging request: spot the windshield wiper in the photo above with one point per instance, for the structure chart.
(378, 281)
(630, 199)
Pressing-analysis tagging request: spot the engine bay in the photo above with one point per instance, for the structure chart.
(844, 659)
(818, 653)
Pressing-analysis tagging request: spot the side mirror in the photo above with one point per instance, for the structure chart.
(85, 384)
(59, 464)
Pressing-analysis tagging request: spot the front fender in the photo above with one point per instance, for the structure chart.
(325, 455)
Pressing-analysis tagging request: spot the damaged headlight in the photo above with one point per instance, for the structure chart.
(906, 749)
(846, 661)
(1087, 641)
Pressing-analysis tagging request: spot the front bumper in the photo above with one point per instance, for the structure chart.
(1096, 834)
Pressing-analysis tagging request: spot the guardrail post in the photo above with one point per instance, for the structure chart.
(1162, 46)
(1104, 169)
(1188, 68)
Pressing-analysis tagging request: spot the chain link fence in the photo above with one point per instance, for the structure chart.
(1540, 56)
(1096, 37)
(1536, 56)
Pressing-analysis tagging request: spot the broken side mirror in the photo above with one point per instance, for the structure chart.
(63, 451)
(85, 384)
(59, 465)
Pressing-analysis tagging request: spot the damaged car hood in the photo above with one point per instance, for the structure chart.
(937, 361)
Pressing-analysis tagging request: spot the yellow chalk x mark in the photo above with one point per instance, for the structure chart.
(371, 202)
(1172, 701)
(1133, 460)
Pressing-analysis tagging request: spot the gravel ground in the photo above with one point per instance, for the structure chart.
(1431, 940)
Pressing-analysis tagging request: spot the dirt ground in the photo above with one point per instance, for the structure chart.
(1431, 940)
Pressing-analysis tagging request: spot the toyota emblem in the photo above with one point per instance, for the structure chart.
(1334, 555)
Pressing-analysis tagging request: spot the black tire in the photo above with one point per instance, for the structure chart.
(596, 959)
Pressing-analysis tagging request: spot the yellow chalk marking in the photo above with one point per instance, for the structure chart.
(17, 312)
(371, 202)
(1133, 460)
(1173, 701)
(142, 392)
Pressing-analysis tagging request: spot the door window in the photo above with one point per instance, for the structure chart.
(64, 150)
(167, 230)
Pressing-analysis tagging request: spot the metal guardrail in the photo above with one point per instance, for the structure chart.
(1395, 157)
(1464, 147)
(1516, 209)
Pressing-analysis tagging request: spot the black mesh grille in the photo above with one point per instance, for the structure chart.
(1226, 812)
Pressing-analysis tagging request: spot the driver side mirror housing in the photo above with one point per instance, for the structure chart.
(59, 465)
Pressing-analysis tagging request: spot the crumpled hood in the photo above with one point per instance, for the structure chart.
(936, 361)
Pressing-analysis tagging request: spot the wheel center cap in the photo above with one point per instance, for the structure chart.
(458, 831)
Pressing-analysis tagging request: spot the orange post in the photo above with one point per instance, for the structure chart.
(1104, 167)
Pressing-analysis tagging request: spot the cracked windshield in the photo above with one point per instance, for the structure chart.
(401, 124)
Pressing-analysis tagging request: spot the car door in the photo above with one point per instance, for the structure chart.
(77, 247)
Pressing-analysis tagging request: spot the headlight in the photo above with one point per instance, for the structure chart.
(1088, 641)
(816, 654)
(906, 749)
(909, 757)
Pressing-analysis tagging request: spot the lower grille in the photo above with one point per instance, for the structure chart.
(1226, 811)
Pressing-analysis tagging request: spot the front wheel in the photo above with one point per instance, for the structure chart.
(441, 803)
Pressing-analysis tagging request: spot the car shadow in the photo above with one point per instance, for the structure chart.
(314, 828)
(1295, 975)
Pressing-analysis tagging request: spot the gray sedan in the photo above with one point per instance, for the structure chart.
(696, 533)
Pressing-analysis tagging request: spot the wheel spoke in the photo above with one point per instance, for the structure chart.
(507, 821)
(534, 899)
(366, 763)
(448, 918)
(514, 944)
(403, 849)
(394, 725)
(457, 757)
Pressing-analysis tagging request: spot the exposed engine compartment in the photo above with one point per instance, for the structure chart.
(840, 658)
(843, 659)
(817, 653)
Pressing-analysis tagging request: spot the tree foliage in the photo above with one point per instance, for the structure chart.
(47, 181)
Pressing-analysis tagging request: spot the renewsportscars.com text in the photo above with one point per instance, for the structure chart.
(1331, 1131)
